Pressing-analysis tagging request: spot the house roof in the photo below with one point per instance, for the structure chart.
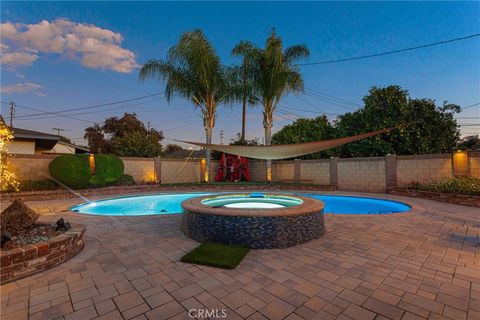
(73, 146)
(30, 134)
(43, 140)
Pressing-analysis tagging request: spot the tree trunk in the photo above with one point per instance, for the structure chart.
(244, 111)
(268, 141)
(208, 134)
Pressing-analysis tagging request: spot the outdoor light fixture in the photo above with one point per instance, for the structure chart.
(91, 161)
(203, 164)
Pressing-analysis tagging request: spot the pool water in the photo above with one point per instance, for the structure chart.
(252, 201)
(171, 204)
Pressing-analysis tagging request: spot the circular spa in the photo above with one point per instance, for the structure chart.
(259, 221)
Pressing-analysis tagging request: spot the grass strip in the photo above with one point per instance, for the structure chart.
(217, 255)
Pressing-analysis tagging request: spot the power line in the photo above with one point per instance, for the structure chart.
(328, 96)
(341, 105)
(470, 106)
(390, 52)
(27, 117)
(99, 105)
(309, 111)
(53, 113)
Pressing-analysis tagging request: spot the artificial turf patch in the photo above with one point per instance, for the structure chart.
(217, 255)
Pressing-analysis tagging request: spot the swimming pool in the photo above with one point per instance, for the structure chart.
(171, 204)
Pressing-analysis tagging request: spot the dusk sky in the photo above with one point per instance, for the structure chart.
(64, 55)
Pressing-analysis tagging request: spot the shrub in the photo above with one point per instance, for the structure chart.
(37, 185)
(71, 170)
(456, 185)
(124, 180)
(108, 169)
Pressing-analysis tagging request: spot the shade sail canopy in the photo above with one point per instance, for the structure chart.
(284, 151)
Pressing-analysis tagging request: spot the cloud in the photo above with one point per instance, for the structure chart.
(92, 46)
(23, 87)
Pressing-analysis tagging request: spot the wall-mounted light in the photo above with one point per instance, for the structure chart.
(91, 161)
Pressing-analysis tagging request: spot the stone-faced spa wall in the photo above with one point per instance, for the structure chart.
(257, 229)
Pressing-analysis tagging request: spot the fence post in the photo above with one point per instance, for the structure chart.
(390, 171)
(334, 172)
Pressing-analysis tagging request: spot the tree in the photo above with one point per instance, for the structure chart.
(241, 141)
(423, 128)
(137, 144)
(307, 130)
(469, 143)
(8, 178)
(274, 75)
(173, 147)
(125, 136)
(193, 70)
(244, 75)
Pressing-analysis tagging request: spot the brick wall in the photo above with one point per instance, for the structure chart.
(30, 259)
(362, 174)
(318, 171)
(423, 168)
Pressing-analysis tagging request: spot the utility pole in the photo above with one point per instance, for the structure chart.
(58, 130)
(221, 136)
(12, 112)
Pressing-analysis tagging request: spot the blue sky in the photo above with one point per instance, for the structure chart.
(60, 79)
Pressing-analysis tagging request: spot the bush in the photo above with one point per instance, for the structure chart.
(37, 185)
(71, 170)
(108, 169)
(124, 180)
(34, 185)
(456, 185)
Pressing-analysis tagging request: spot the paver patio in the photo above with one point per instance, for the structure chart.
(398, 266)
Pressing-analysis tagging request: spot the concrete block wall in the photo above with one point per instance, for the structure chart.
(178, 171)
(141, 169)
(375, 174)
(31, 167)
(423, 168)
(284, 170)
(362, 174)
(315, 171)
(257, 170)
(474, 164)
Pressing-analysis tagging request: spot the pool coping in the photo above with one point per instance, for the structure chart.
(414, 207)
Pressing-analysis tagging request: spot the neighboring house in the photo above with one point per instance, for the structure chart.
(33, 142)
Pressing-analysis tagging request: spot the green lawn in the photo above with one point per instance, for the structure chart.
(216, 255)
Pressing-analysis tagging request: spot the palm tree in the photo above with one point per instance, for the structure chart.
(244, 80)
(274, 75)
(193, 70)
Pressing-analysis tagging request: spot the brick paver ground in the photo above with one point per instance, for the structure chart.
(399, 266)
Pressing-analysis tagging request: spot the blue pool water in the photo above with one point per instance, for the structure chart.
(171, 203)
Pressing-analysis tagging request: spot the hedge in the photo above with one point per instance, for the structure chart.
(108, 169)
(71, 170)
(74, 170)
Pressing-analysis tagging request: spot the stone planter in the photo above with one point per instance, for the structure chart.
(33, 258)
